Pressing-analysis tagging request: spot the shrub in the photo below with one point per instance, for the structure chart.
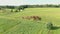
(16, 10)
(11, 10)
(49, 26)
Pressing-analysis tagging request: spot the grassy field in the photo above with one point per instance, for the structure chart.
(11, 22)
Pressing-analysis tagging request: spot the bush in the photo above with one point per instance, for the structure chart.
(16, 10)
(49, 26)
(11, 10)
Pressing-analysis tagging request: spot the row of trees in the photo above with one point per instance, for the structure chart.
(18, 8)
(41, 6)
(14, 7)
(22, 7)
(29, 6)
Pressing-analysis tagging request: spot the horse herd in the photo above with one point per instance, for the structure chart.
(31, 17)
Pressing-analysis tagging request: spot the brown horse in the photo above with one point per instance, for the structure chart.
(26, 17)
(36, 17)
(32, 17)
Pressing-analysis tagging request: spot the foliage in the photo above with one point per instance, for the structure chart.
(49, 26)
(30, 6)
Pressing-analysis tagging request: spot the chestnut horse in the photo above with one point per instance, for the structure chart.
(32, 17)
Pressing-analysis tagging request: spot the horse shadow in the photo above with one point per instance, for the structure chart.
(55, 28)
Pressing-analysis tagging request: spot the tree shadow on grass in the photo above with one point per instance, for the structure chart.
(55, 28)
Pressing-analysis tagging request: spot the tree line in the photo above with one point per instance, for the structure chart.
(30, 6)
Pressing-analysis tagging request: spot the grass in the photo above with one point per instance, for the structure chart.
(11, 23)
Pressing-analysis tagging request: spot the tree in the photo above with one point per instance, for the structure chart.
(10, 7)
(22, 7)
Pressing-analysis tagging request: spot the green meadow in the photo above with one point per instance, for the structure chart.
(12, 23)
